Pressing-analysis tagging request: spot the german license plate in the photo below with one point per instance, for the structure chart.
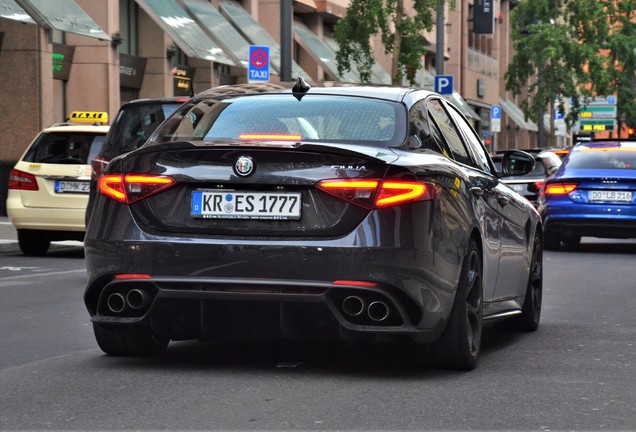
(66, 186)
(606, 195)
(224, 204)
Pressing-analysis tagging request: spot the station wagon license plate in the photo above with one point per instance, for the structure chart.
(224, 204)
(66, 186)
(602, 195)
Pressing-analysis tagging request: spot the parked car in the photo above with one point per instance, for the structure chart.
(49, 185)
(592, 194)
(134, 123)
(362, 213)
(547, 163)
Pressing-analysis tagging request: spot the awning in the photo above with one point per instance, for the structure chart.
(219, 30)
(255, 34)
(185, 32)
(62, 15)
(325, 57)
(516, 115)
(9, 9)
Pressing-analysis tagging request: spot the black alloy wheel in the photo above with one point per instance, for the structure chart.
(531, 312)
(460, 344)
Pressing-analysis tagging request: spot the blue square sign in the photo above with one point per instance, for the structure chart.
(258, 69)
(495, 112)
(444, 84)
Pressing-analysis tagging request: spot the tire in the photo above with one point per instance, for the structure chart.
(531, 311)
(129, 341)
(551, 241)
(572, 241)
(460, 345)
(32, 243)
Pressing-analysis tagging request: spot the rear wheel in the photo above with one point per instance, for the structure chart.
(460, 344)
(531, 312)
(572, 241)
(129, 341)
(33, 243)
(551, 241)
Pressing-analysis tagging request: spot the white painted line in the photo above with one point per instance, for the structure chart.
(42, 274)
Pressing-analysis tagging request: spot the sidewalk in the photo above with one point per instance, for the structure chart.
(9, 238)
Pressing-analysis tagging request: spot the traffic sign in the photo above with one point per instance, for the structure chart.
(495, 118)
(495, 112)
(258, 68)
(444, 84)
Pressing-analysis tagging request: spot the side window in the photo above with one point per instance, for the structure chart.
(473, 141)
(450, 133)
(423, 135)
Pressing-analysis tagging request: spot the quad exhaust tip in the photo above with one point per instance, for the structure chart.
(135, 299)
(378, 311)
(355, 306)
(116, 303)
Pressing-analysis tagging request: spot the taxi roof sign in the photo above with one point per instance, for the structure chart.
(89, 117)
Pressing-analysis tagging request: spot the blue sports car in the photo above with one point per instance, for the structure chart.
(593, 194)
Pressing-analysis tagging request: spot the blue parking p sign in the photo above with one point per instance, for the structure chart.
(444, 84)
(495, 112)
(258, 69)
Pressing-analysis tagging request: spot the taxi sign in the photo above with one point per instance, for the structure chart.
(89, 116)
(258, 69)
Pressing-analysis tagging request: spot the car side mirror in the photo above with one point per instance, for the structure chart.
(551, 170)
(517, 163)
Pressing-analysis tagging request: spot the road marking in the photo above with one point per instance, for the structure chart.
(42, 274)
(11, 268)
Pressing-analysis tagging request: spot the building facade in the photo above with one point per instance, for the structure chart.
(93, 55)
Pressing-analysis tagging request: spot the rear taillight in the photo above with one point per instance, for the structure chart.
(377, 193)
(97, 166)
(129, 188)
(20, 180)
(559, 188)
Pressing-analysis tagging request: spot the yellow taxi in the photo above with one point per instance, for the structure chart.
(49, 186)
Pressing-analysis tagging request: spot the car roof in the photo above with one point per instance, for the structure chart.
(610, 144)
(389, 93)
(156, 101)
(71, 127)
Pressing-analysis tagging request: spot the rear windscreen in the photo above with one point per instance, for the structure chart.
(133, 126)
(603, 159)
(65, 148)
(314, 118)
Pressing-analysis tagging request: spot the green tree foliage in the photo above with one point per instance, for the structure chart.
(401, 36)
(572, 48)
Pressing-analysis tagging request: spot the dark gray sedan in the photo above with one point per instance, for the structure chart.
(361, 213)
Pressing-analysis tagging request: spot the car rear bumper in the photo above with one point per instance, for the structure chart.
(186, 308)
(605, 222)
(47, 219)
(195, 288)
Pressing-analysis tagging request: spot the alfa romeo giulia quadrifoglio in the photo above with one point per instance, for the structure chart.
(312, 212)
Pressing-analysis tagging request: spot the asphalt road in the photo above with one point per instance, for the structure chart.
(577, 372)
